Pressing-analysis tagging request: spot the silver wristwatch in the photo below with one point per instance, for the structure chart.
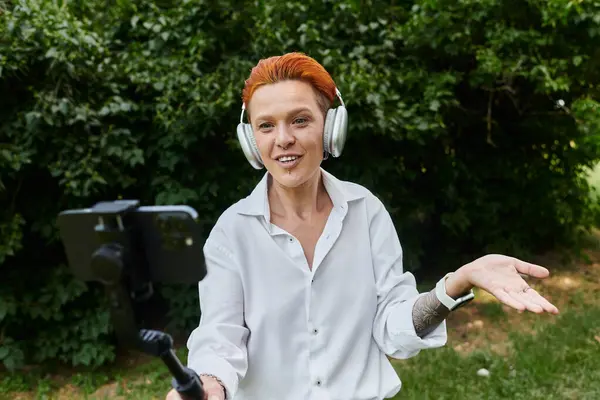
(449, 302)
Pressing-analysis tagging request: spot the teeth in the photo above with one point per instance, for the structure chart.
(286, 159)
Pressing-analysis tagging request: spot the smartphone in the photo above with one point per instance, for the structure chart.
(169, 236)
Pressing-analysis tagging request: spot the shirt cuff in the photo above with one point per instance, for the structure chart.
(219, 368)
(401, 331)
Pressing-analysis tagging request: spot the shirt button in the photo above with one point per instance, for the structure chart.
(291, 240)
(315, 331)
(319, 382)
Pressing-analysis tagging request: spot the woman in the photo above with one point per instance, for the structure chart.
(305, 294)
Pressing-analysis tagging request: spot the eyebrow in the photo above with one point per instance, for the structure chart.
(292, 112)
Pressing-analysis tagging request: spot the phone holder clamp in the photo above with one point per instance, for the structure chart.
(118, 264)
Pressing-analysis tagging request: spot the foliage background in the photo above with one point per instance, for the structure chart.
(474, 122)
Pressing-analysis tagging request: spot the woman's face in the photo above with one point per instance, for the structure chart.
(288, 127)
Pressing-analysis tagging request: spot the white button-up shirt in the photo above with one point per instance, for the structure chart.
(272, 329)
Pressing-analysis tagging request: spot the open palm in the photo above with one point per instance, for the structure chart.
(500, 276)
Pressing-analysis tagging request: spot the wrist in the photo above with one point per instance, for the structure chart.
(213, 380)
(458, 283)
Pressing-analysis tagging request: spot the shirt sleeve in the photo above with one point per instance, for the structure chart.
(393, 327)
(218, 345)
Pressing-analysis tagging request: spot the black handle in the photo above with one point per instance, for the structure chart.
(191, 387)
(185, 380)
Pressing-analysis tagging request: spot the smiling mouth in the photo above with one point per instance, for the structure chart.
(288, 159)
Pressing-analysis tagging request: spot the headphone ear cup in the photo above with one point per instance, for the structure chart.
(248, 144)
(334, 134)
(327, 131)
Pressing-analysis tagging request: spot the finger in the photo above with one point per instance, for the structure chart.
(537, 298)
(537, 271)
(524, 299)
(504, 297)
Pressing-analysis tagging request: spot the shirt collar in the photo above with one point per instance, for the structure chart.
(257, 203)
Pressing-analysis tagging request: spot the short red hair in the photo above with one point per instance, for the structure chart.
(291, 66)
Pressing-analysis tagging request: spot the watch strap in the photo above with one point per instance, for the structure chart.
(449, 302)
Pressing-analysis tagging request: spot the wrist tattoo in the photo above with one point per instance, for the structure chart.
(428, 312)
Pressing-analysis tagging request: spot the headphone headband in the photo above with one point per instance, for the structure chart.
(339, 96)
(337, 93)
(242, 114)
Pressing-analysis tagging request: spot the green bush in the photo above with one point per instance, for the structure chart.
(474, 122)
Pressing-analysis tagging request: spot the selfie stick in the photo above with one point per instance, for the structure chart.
(120, 265)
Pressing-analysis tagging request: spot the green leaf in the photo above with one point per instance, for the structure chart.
(4, 351)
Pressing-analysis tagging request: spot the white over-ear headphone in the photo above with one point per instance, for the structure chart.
(334, 134)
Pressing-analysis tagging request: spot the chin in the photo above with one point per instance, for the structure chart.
(292, 178)
(289, 180)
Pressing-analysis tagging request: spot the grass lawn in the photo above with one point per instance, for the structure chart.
(527, 356)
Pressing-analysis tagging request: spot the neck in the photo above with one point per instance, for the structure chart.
(300, 202)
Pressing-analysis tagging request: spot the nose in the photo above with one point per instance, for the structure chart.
(284, 137)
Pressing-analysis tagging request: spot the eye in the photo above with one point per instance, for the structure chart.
(301, 120)
(265, 125)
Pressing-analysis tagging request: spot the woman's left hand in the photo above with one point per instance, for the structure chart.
(500, 276)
